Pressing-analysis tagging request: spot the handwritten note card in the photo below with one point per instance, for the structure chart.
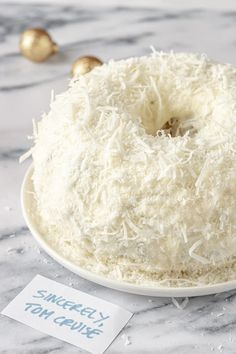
(68, 314)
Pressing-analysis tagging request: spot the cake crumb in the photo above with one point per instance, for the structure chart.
(126, 339)
(15, 250)
(8, 208)
(220, 314)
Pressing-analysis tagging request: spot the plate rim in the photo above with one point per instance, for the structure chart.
(110, 283)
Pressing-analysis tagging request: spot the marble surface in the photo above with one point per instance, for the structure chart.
(110, 30)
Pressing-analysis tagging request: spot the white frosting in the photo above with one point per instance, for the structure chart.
(118, 195)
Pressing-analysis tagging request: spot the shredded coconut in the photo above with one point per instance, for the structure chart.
(135, 169)
(181, 305)
(126, 339)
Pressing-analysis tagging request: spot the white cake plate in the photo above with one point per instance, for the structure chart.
(26, 203)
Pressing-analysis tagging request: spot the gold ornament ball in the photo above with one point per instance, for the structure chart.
(37, 45)
(84, 64)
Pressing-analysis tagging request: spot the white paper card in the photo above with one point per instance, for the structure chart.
(68, 314)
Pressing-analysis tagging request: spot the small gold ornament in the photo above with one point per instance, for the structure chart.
(84, 64)
(37, 45)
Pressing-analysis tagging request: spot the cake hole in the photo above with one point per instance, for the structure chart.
(153, 119)
(179, 127)
(172, 127)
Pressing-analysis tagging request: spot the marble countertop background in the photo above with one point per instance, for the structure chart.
(115, 29)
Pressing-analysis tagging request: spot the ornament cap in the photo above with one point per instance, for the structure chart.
(55, 47)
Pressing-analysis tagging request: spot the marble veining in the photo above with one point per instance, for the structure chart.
(108, 30)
